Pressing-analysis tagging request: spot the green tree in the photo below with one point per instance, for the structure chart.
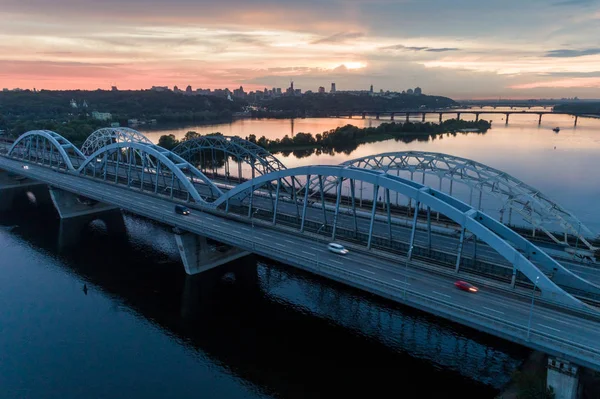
(168, 141)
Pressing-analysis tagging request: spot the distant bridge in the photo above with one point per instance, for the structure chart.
(424, 112)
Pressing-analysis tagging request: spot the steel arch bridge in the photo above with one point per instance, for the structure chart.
(517, 250)
(136, 165)
(534, 207)
(204, 151)
(110, 135)
(48, 148)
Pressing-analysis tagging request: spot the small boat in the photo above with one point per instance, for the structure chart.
(556, 129)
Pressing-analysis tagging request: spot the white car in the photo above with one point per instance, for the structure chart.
(25, 167)
(337, 248)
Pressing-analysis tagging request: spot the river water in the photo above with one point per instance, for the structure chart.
(254, 329)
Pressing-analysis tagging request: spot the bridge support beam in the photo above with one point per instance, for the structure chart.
(563, 378)
(71, 206)
(13, 186)
(576, 117)
(540, 120)
(198, 256)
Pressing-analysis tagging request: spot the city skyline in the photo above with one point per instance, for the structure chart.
(469, 50)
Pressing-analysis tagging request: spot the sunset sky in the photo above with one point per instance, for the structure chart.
(460, 48)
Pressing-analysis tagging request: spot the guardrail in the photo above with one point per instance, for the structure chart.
(553, 344)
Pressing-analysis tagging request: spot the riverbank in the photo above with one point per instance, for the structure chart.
(529, 380)
(348, 137)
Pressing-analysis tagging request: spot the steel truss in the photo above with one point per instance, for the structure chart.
(203, 151)
(47, 148)
(110, 135)
(517, 250)
(535, 208)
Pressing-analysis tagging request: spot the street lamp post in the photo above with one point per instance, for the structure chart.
(532, 301)
(408, 256)
(252, 220)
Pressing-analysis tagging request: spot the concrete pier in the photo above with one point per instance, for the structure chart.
(563, 378)
(72, 206)
(13, 187)
(198, 256)
(77, 212)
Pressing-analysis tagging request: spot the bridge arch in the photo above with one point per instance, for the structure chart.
(40, 145)
(110, 135)
(518, 251)
(530, 204)
(204, 151)
(150, 168)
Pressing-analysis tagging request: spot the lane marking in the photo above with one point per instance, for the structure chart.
(550, 328)
(308, 253)
(244, 229)
(439, 293)
(553, 319)
(367, 271)
(290, 242)
(401, 282)
(281, 245)
(492, 310)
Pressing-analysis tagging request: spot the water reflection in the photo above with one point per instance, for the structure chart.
(252, 329)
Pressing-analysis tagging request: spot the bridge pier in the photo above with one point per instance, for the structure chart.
(576, 116)
(12, 186)
(376, 116)
(563, 378)
(197, 256)
(540, 120)
(364, 115)
(423, 118)
(458, 115)
(477, 117)
(440, 117)
(70, 206)
(507, 115)
(407, 117)
(392, 116)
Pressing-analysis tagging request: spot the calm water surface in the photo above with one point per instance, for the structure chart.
(251, 330)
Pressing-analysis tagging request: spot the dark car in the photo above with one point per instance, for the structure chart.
(463, 285)
(182, 210)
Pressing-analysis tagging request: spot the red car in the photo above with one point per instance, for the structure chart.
(463, 285)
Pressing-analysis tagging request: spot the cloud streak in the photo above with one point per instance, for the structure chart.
(483, 48)
(563, 53)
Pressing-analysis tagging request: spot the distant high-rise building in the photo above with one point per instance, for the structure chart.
(321, 89)
(333, 87)
(114, 88)
(409, 91)
(418, 91)
(371, 89)
(188, 89)
(160, 88)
